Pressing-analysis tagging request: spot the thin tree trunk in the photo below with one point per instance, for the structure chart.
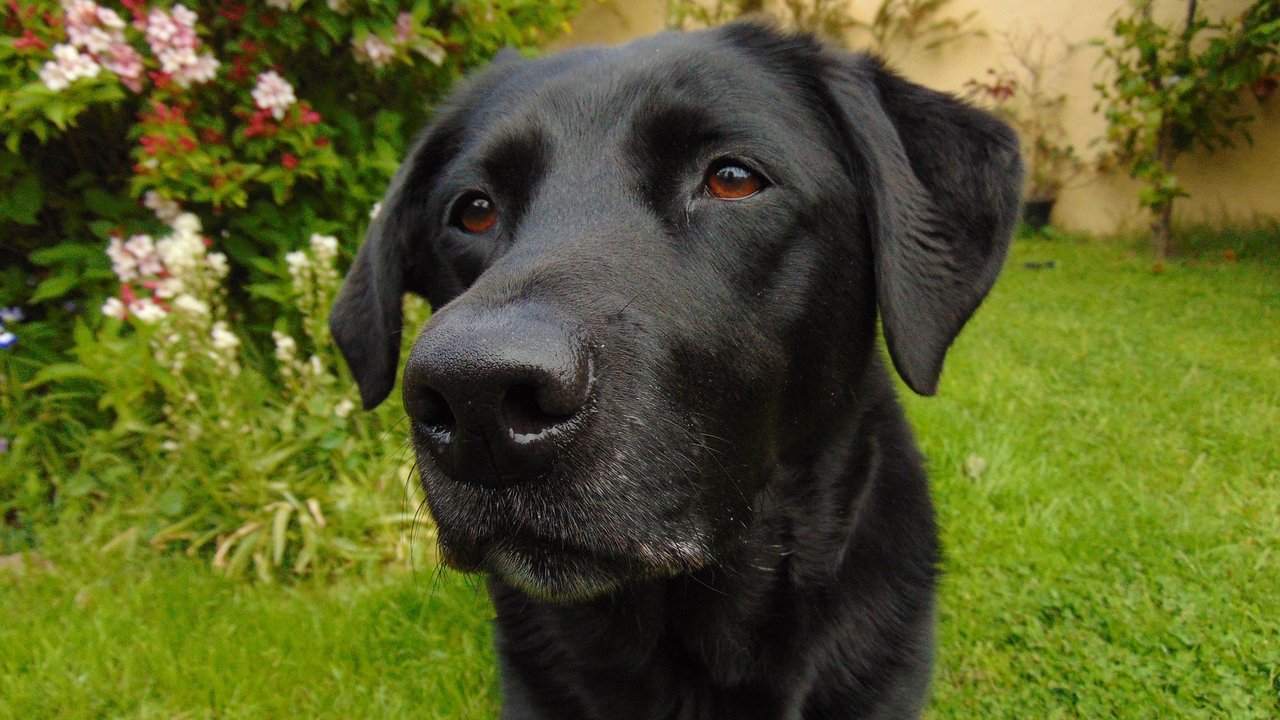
(1166, 150)
(1166, 154)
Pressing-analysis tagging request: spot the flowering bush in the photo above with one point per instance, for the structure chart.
(196, 172)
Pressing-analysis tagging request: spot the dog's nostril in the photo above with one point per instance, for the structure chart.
(527, 416)
(432, 410)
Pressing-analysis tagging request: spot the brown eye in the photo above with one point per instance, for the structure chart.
(733, 182)
(475, 214)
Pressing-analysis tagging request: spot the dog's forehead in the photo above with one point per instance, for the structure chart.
(594, 93)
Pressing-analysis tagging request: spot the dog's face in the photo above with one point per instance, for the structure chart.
(656, 271)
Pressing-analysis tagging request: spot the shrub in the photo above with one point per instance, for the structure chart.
(197, 173)
(1171, 90)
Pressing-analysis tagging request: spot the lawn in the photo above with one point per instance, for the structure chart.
(1107, 470)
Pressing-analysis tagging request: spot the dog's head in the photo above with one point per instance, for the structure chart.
(656, 270)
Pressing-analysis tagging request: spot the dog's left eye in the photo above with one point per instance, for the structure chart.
(728, 180)
(475, 213)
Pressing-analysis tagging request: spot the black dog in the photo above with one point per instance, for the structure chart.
(650, 403)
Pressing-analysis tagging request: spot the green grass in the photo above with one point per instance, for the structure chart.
(1107, 469)
(160, 637)
(1120, 554)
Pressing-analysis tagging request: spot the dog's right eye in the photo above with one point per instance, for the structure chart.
(729, 180)
(475, 213)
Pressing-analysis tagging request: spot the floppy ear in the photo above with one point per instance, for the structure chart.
(941, 182)
(397, 257)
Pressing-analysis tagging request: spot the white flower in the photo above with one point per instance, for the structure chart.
(373, 211)
(315, 365)
(140, 246)
(223, 339)
(180, 252)
(343, 408)
(191, 305)
(165, 209)
(273, 93)
(53, 77)
(325, 247)
(123, 263)
(338, 6)
(217, 263)
(168, 287)
(433, 52)
(297, 262)
(203, 70)
(114, 308)
(186, 223)
(286, 347)
(67, 66)
(174, 59)
(280, 4)
(147, 311)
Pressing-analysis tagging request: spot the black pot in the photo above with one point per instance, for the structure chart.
(1035, 213)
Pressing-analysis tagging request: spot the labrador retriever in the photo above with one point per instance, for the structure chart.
(650, 403)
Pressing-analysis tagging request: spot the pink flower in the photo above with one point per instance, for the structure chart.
(126, 63)
(289, 161)
(184, 16)
(160, 29)
(373, 50)
(110, 19)
(307, 116)
(172, 37)
(404, 28)
(93, 39)
(81, 12)
(273, 93)
(29, 41)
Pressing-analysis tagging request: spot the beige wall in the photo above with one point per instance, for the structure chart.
(1233, 185)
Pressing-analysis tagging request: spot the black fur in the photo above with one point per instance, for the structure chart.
(740, 526)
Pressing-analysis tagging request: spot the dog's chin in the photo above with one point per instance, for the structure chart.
(551, 578)
(547, 571)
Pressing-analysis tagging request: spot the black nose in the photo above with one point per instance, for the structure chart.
(492, 393)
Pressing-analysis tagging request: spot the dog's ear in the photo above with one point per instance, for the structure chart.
(397, 257)
(940, 182)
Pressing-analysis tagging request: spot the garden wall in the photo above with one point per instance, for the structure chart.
(1234, 185)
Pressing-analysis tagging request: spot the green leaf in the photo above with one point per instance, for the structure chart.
(61, 372)
(106, 204)
(63, 254)
(269, 291)
(23, 200)
(55, 287)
